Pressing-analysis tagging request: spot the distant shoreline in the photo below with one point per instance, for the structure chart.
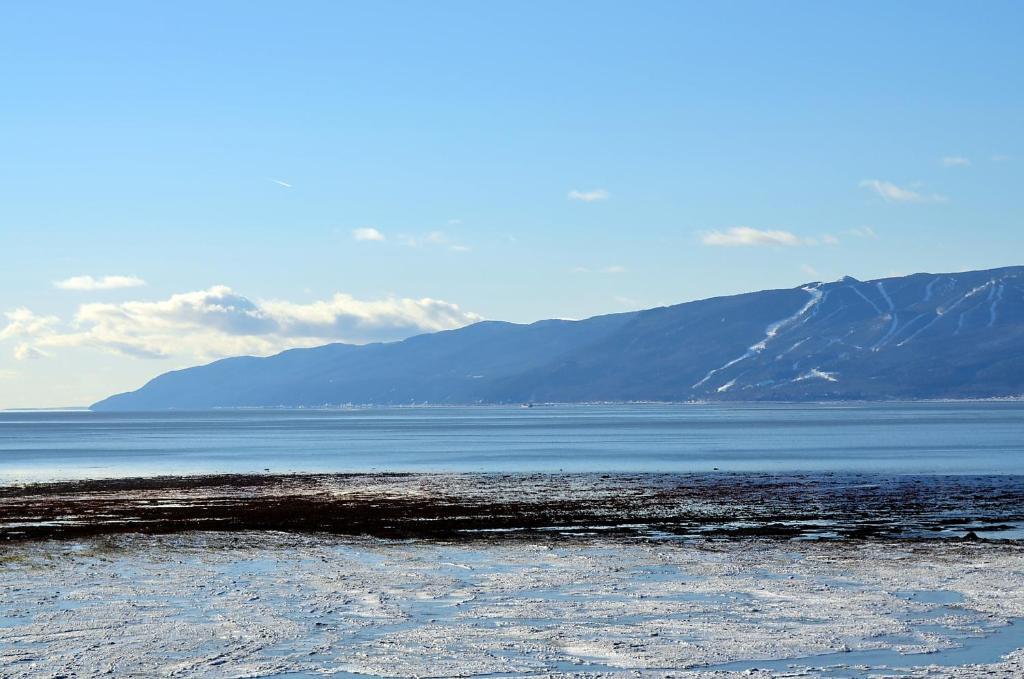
(552, 404)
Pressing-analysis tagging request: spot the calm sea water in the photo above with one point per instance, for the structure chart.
(950, 438)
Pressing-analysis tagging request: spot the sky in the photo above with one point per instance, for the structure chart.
(185, 181)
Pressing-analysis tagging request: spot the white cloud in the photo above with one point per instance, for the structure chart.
(829, 239)
(1000, 158)
(810, 270)
(591, 196)
(897, 194)
(955, 161)
(24, 323)
(26, 352)
(863, 232)
(101, 283)
(367, 233)
(281, 183)
(219, 322)
(431, 239)
(612, 269)
(744, 236)
(344, 317)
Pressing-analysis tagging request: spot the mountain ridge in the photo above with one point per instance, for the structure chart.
(947, 335)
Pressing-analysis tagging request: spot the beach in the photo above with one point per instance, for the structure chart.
(284, 605)
(399, 575)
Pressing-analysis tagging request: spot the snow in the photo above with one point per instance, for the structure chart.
(775, 327)
(940, 312)
(892, 313)
(234, 605)
(791, 348)
(816, 373)
(865, 298)
(997, 297)
(770, 333)
(885, 295)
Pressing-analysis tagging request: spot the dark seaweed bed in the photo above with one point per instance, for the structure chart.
(508, 506)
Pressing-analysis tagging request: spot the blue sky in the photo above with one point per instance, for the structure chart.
(510, 161)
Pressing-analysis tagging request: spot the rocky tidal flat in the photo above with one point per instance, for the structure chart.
(494, 575)
(506, 506)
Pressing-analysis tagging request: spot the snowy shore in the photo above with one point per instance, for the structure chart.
(248, 604)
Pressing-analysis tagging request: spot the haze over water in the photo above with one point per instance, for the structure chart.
(895, 438)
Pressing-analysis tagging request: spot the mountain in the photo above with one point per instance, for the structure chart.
(957, 335)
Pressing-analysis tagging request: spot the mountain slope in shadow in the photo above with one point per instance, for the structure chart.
(958, 335)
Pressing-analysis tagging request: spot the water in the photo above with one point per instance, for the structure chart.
(970, 649)
(900, 438)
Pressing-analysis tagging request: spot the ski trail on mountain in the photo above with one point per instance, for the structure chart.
(770, 332)
(727, 386)
(960, 322)
(895, 318)
(885, 295)
(791, 348)
(911, 323)
(866, 299)
(816, 373)
(940, 313)
(995, 303)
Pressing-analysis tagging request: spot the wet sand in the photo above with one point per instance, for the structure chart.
(507, 506)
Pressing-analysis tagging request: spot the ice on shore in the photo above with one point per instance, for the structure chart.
(244, 605)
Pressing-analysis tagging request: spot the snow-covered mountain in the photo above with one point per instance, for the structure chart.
(957, 335)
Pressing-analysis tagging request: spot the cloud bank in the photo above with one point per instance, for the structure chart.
(89, 283)
(219, 322)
